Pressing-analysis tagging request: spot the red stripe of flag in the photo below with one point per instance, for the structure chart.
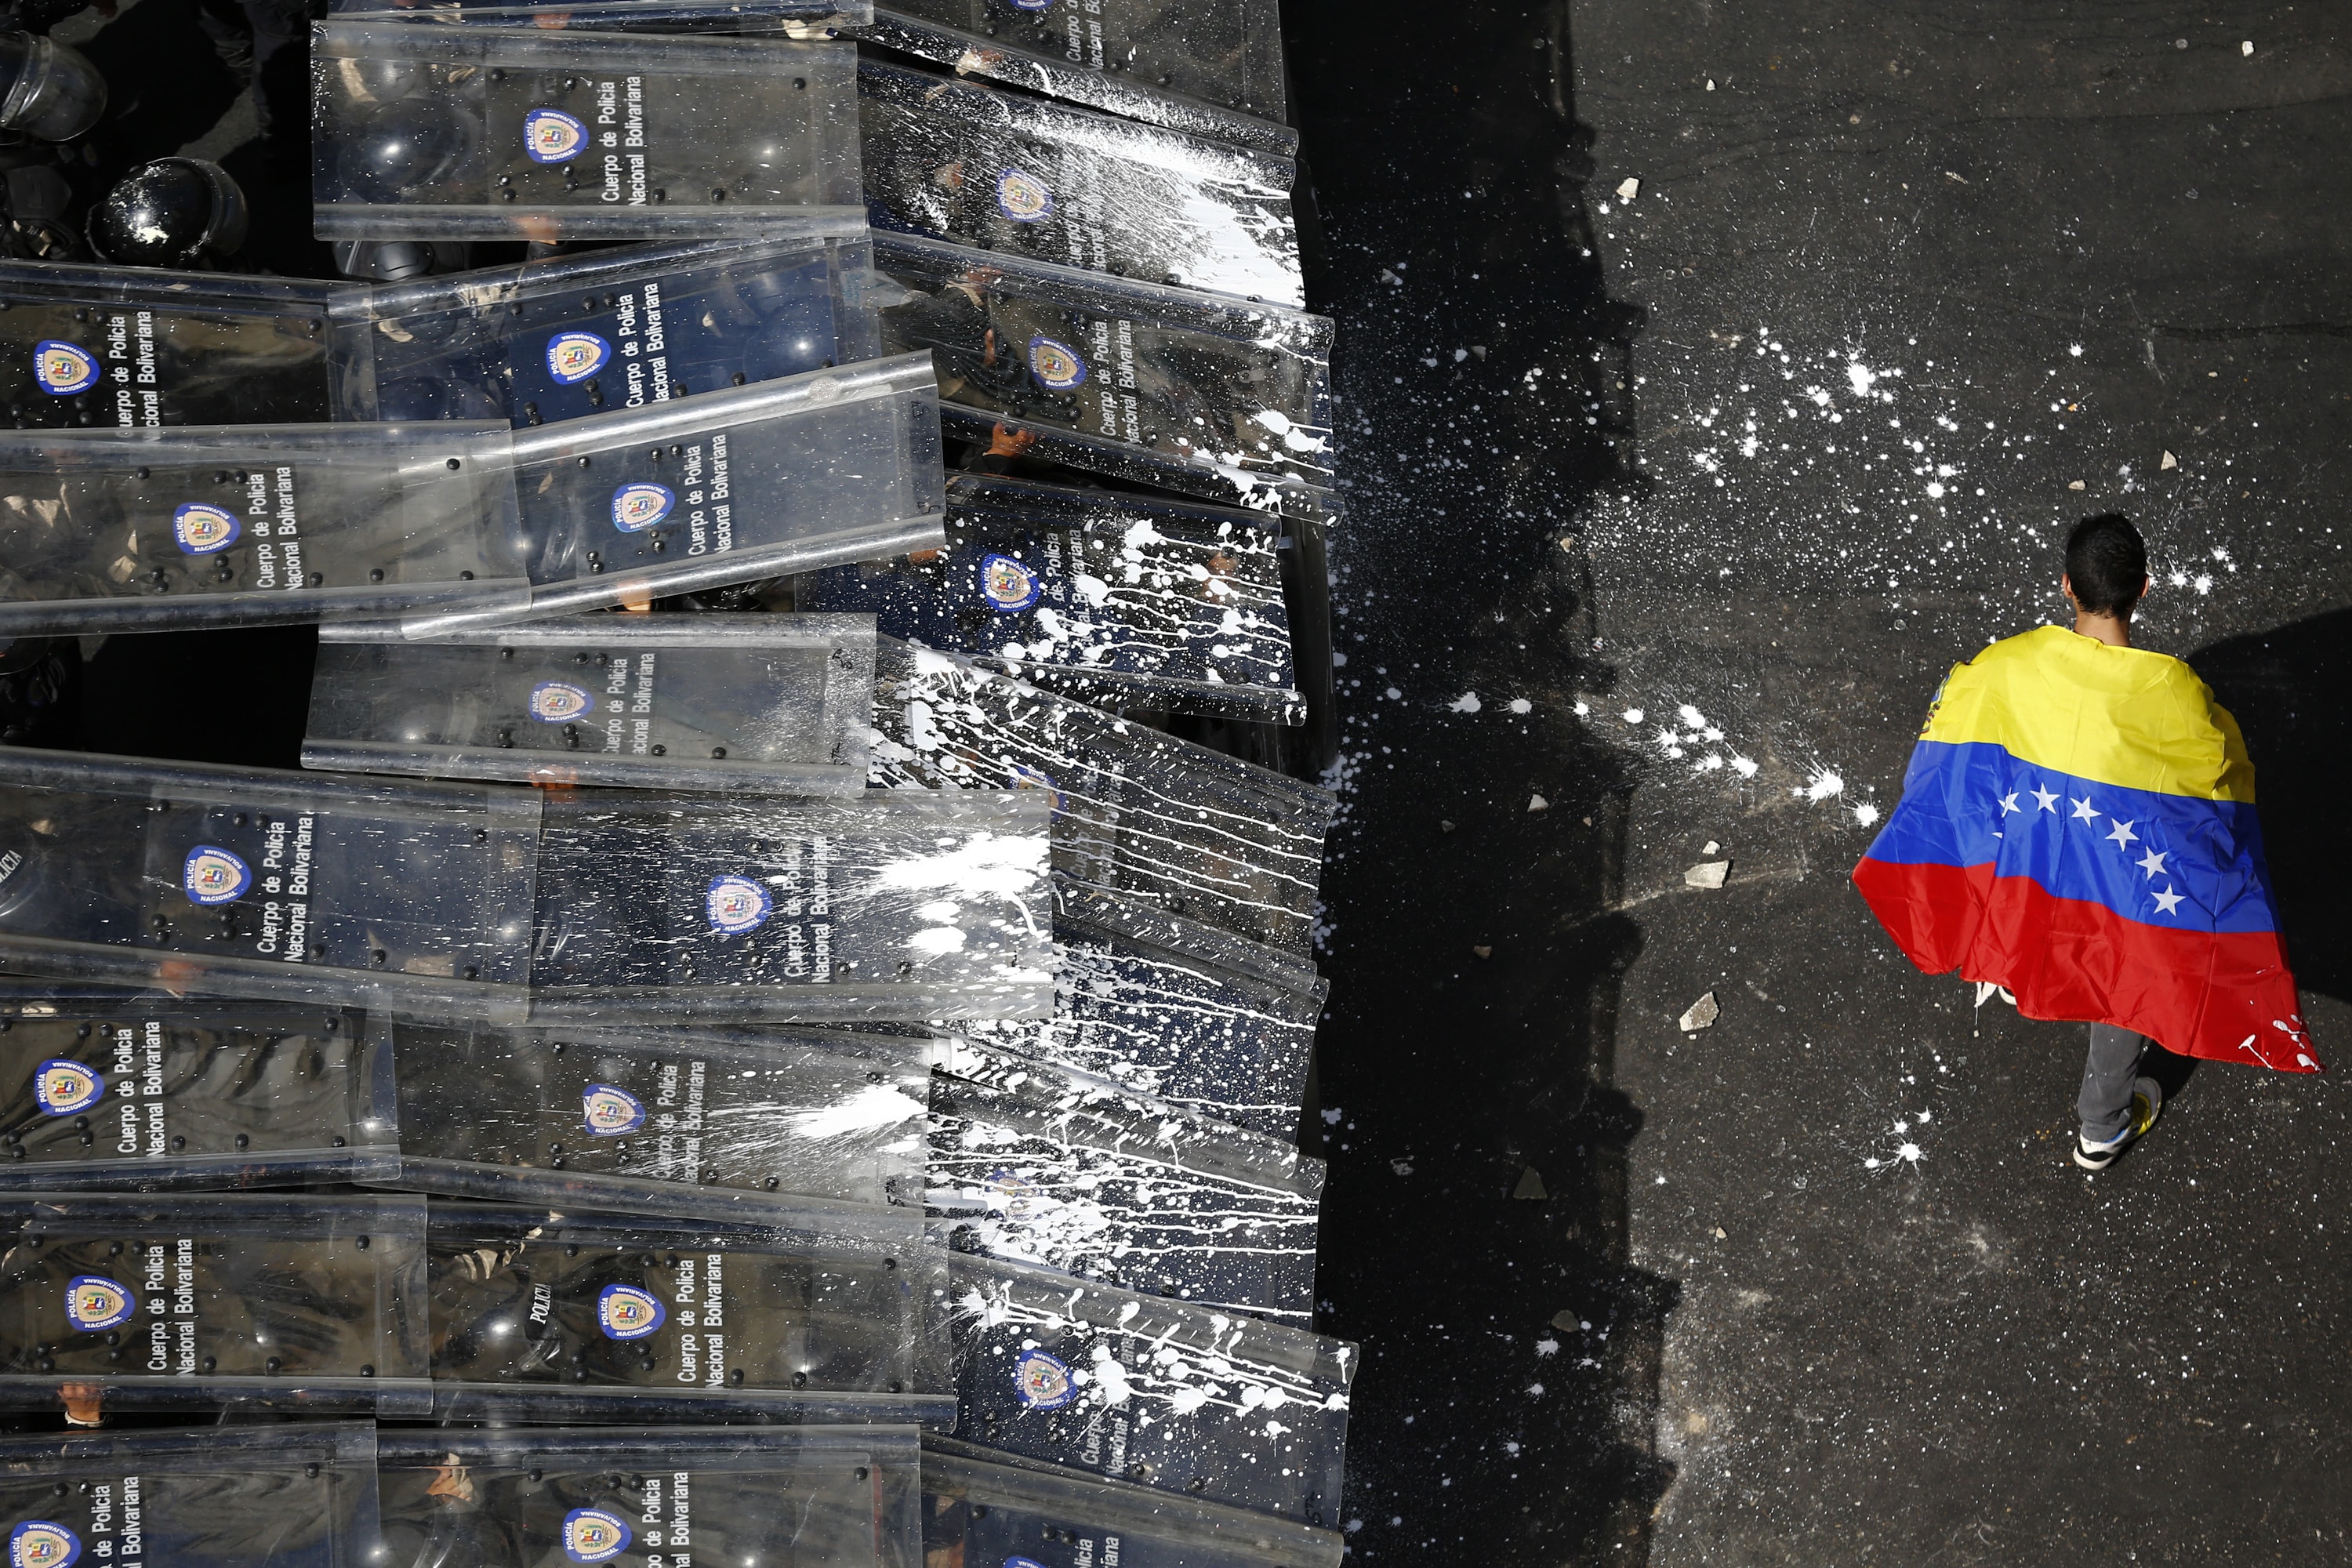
(2228, 996)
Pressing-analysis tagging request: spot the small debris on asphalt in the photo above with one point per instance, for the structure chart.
(2169, 461)
(1537, 803)
(1444, 825)
(1702, 1013)
(1482, 952)
(1706, 874)
(1531, 1186)
(1628, 188)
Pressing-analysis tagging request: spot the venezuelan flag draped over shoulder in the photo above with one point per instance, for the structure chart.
(2077, 825)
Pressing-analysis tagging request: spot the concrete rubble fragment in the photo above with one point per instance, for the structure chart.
(1700, 1014)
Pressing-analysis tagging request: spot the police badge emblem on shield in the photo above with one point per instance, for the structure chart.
(626, 1312)
(94, 1302)
(212, 875)
(1056, 363)
(43, 1543)
(200, 530)
(591, 1535)
(609, 1111)
(1044, 1382)
(66, 1087)
(551, 136)
(1011, 1195)
(1023, 197)
(735, 905)
(64, 368)
(1026, 777)
(638, 507)
(1008, 585)
(575, 356)
(560, 702)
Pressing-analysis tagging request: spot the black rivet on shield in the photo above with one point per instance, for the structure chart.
(272, 1365)
(142, 473)
(738, 379)
(245, 1141)
(506, 195)
(454, 465)
(531, 412)
(800, 84)
(377, 957)
(661, 750)
(376, 573)
(719, 752)
(584, 460)
(660, 197)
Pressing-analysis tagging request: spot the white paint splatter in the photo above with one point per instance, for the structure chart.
(1468, 703)
(870, 1109)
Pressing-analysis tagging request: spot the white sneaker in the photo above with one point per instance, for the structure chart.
(2147, 1103)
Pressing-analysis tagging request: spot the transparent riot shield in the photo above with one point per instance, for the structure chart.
(793, 19)
(421, 132)
(750, 482)
(900, 905)
(1172, 1008)
(1080, 58)
(1224, 399)
(566, 1317)
(681, 702)
(130, 347)
(204, 881)
(1074, 1174)
(114, 1302)
(1126, 601)
(835, 1496)
(141, 1093)
(537, 341)
(1041, 180)
(1158, 820)
(1225, 52)
(984, 1507)
(662, 1121)
(1170, 1395)
(295, 1495)
(220, 525)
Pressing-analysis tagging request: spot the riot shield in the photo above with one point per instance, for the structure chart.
(1175, 1009)
(1170, 1395)
(1046, 1167)
(835, 1497)
(1126, 601)
(141, 1093)
(131, 347)
(221, 525)
(296, 1495)
(661, 1121)
(1156, 819)
(793, 18)
(1096, 59)
(421, 132)
(113, 1302)
(717, 702)
(205, 881)
(900, 905)
(447, 526)
(1043, 181)
(551, 1317)
(571, 336)
(981, 1508)
(1223, 399)
(750, 482)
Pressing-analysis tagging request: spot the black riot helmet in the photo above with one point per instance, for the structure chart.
(48, 91)
(398, 260)
(183, 213)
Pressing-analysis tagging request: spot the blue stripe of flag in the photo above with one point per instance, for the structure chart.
(2164, 861)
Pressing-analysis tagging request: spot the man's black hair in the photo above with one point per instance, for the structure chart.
(2107, 563)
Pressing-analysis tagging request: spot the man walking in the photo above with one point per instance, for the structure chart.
(2077, 826)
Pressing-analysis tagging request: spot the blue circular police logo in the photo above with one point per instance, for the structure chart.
(591, 1535)
(1007, 584)
(63, 368)
(626, 1312)
(551, 136)
(1033, 4)
(94, 1302)
(43, 1543)
(1022, 196)
(735, 905)
(1056, 363)
(637, 508)
(200, 530)
(65, 1088)
(1044, 1382)
(212, 875)
(609, 1111)
(559, 702)
(576, 356)
(1026, 777)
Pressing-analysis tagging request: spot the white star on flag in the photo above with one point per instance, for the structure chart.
(2153, 863)
(2122, 835)
(2083, 811)
(2049, 801)
(2165, 900)
(2009, 803)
